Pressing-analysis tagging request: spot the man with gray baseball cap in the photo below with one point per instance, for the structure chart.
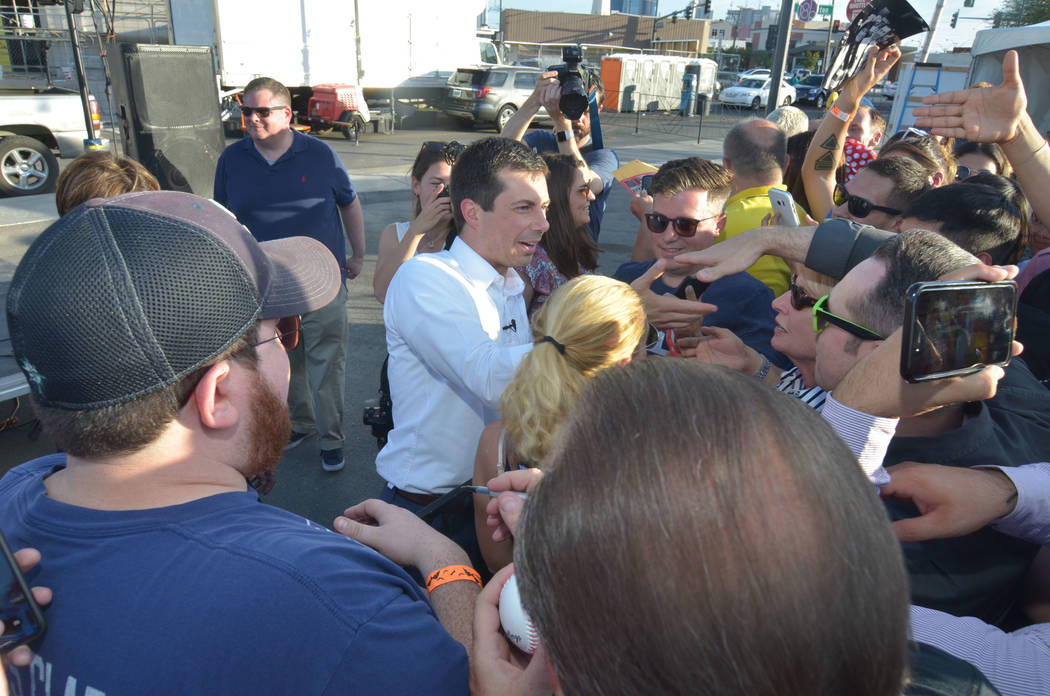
(152, 329)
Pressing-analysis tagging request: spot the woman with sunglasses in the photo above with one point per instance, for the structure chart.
(567, 248)
(431, 225)
(589, 324)
(979, 158)
(793, 336)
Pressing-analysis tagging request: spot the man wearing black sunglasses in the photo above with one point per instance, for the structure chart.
(974, 575)
(686, 215)
(279, 182)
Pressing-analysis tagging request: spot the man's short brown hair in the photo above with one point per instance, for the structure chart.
(279, 91)
(127, 427)
(694, 173)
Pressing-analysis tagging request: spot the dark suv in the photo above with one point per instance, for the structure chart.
(809, 91)
(491, 94)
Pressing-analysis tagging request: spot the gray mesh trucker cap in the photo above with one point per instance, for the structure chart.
(124, 296)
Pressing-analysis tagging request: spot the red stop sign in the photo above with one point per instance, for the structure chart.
(854, 7)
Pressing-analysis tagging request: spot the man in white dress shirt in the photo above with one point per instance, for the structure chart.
(456, 326)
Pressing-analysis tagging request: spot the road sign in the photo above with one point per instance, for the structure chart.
(807, 10)
(825, 9)
(854, 7)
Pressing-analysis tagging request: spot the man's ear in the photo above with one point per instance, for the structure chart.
(787, 163)
(985, 258)
(727, 163)
(471, 211)
(212, 398)
(876, 138)
(937, 179)
(721, 224)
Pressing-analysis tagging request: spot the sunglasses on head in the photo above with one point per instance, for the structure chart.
(857, 206)
(822, 317)
(287, 331)
(450, 151)
(263, 111)
(683, 226)
(962, 172)
(799, 298)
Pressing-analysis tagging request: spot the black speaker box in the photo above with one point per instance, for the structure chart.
(167, 102)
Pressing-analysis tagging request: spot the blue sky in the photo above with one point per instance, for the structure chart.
(945, 37)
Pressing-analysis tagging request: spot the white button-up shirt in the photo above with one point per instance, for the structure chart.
(456, 330)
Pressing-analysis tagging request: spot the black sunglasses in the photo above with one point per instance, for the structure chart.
(962, 172)
(683, 226)
(287, 331)
(822, 317)
(799, 298)
(263, 111)
(450, 151)
(859, 207)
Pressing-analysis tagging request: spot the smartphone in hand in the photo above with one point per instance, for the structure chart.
(690, 282)
(784, 204)
(23, 620)
(956, 328)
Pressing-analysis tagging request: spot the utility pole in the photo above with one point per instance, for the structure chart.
(776, 73)
(925, 52)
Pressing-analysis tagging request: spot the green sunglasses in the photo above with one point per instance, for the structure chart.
(822, 317)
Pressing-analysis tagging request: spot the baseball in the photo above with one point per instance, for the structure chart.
(516, 623)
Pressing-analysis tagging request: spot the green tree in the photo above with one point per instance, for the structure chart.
(812, 60)
(1019, 13)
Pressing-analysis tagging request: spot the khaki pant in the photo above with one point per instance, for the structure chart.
(316, 390)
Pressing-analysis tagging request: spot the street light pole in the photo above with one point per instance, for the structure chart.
(827, 46)
(780, 56)
(81, 78)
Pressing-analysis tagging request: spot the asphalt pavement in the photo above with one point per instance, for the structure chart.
(378, 167)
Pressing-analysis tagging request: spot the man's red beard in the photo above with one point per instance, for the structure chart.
(269, 431)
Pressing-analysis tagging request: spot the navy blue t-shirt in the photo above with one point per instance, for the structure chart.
(602, 162)
(298, 195)
(220, 595)
(744, 306)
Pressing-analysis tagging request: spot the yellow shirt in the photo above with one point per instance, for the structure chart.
(744, 212)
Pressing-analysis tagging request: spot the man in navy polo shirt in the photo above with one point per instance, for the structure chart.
(280, 183)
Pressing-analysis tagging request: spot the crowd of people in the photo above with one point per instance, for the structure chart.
(705, 472)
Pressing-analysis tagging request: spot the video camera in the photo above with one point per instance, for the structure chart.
(573, 100)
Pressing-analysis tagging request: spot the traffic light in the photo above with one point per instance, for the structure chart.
(707, 7)
(689, 11)
(955, 18)
(836, 26)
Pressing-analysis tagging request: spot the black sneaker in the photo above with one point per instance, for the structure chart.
(296, 440)
(332, 460)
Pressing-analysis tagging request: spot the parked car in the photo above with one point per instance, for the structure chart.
(809, 91)
(755, 72)
(33, 123)
(491, 94)
(753, 92)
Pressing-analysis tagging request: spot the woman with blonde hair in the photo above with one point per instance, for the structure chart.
(590, 323)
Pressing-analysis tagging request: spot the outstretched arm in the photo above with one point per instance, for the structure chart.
(825, 152)
(996, 115)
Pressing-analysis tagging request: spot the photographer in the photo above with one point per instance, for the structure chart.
(569, 136)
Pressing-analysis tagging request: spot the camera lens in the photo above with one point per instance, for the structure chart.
(573, 100)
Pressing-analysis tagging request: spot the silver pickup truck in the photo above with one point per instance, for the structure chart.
(33, 124)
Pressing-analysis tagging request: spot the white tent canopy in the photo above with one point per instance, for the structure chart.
(1032, 44)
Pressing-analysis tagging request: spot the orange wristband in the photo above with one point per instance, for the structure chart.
(452, 573)
(840, 114)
